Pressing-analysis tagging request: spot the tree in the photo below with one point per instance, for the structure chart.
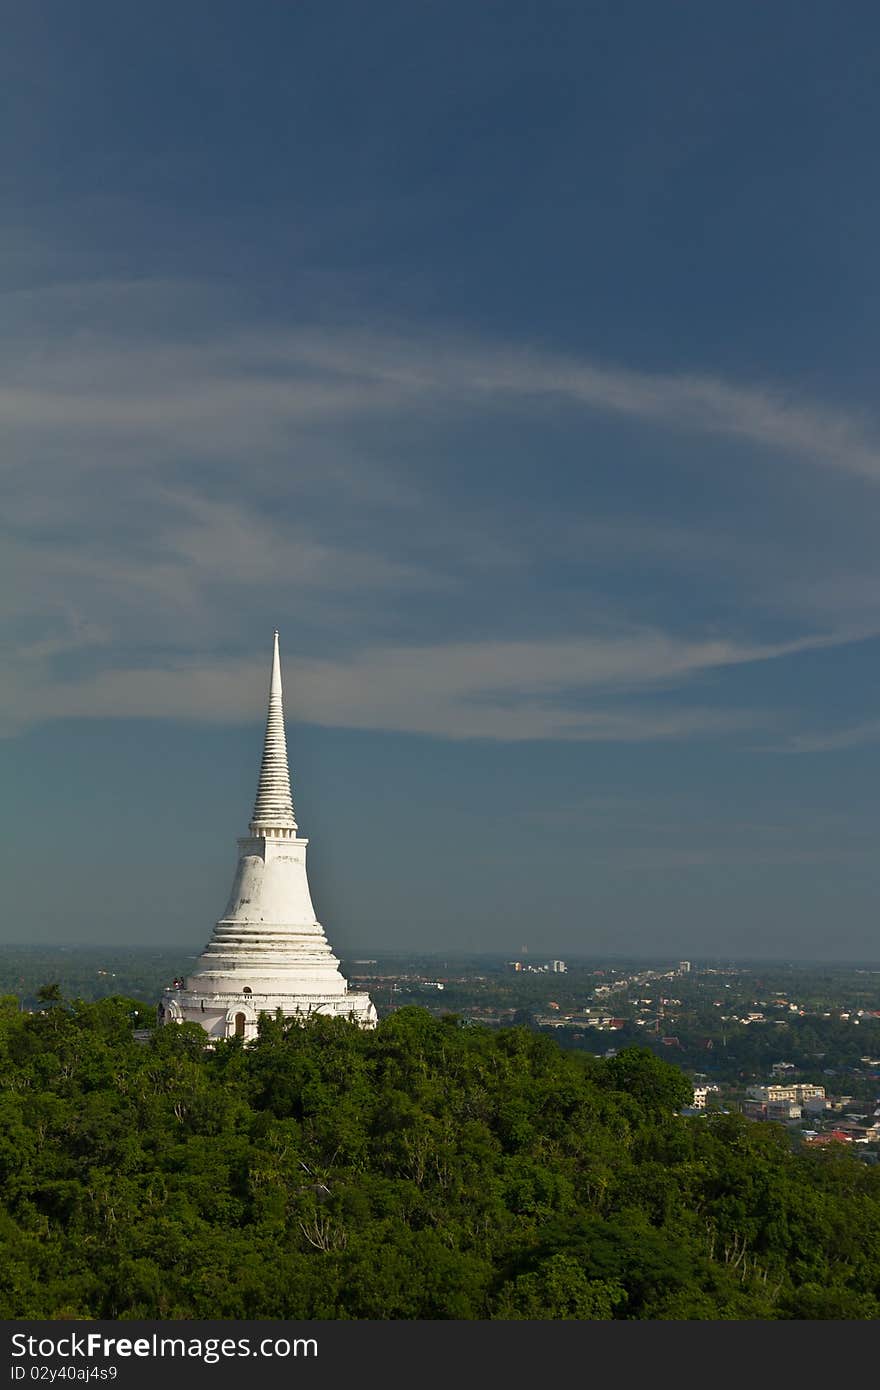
(560, 1289)
(651, 1081)
(423, 1170)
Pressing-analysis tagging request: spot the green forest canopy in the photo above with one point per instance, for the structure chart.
(424, 1170)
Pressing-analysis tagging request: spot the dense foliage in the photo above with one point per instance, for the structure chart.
(426, 1170)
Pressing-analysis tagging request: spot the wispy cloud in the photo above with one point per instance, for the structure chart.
(230, 389)
(764, 415)
(833, 741)
(171, 474)
(514, 690)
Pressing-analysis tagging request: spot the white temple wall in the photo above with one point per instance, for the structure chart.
(219, 1017)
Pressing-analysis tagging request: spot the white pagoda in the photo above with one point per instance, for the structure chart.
(267, 952)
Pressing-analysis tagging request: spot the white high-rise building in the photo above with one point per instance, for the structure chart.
(267, 952)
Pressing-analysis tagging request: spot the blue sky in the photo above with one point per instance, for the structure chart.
(518, 363)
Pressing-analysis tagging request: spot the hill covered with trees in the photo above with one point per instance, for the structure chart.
(424, 1170)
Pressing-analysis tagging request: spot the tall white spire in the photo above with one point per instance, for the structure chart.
(268, 951)
(273, 808)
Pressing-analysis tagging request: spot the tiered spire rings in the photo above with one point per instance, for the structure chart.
(273, 808)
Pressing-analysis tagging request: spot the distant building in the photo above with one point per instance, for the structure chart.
(816, 1105)
(557, 967)
(701, 1094)
(754, 1109)
(797, 1094)
(783, 1110)
(684, 967)
(835, 1137)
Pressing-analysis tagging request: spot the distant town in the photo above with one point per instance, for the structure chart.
(798, 1045)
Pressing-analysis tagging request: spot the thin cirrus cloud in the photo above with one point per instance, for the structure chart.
(511, 691)
(222, 386)
(833, 740)
(761, 415)
(133, 404)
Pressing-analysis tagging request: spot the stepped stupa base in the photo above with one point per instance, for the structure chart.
(237, 1015)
